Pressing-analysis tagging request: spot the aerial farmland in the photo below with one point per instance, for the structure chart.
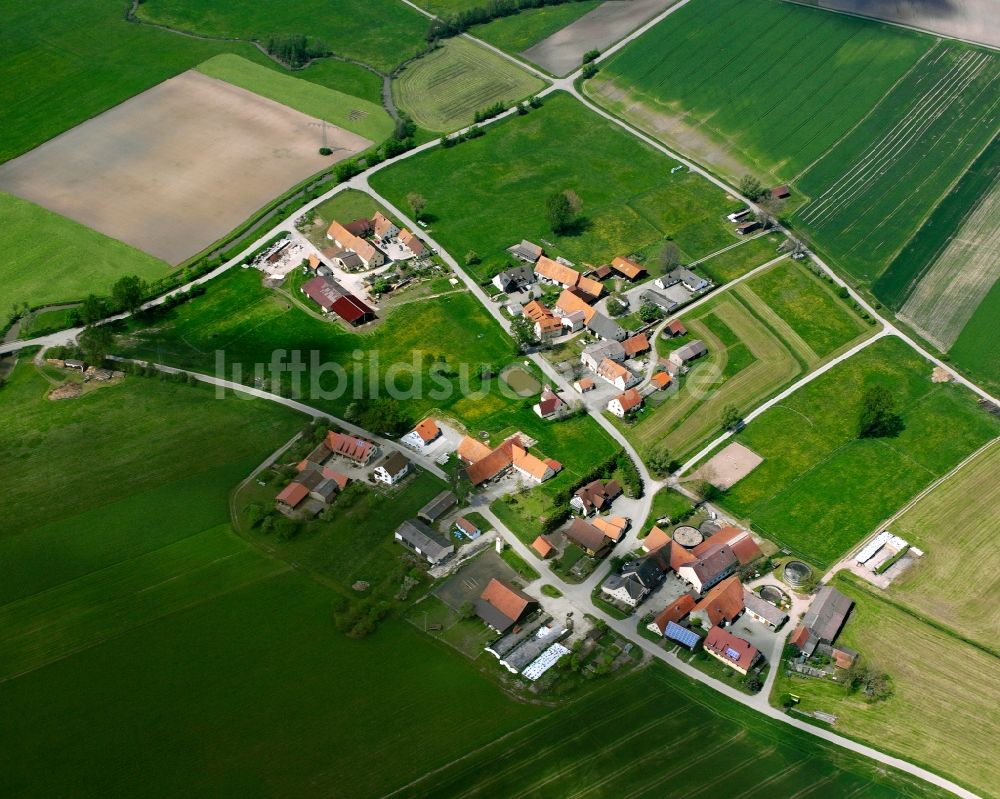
(529, 398)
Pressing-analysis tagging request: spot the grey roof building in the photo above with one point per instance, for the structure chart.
(689, 352)
(514, 279)
(603, 327)
(438, 506)
(416, 535)
(762, 610)
(827, 614)
(526, 251)
(658, 299)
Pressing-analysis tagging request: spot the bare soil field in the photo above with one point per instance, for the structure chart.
(951, 291)
(175, 168)
(730, 465)
(975, 20)
(562, 52)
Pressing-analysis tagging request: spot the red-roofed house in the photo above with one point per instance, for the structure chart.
(675, 328)
(352, 310)
(739, 541)
(723, 605)
(502, 606)
(661, 380)
(625, 403)
(731, 650)
(292, 495)
(629, 269)
(673, 612)
(549, 405)
(357, 450)
(636, 345)
(542, 546)
(655, 539)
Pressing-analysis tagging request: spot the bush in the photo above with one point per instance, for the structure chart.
(325, 151)
(590, 55)
(589, 71)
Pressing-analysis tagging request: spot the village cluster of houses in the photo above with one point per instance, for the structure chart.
(574, 309)
(609, 361)
(485, 465)
(360, 245)
(318, 482)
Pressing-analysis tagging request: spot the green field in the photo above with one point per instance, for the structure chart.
(174, 431)
(568, 753)
(489, 193)
(956, 526)
(518, 32)
(734, 263)
(873, 190)
(761, 335)
(810, 77)
(820, 489)
(344, 77)
(944, 701)
(872, 124)
(975, 349)
(53, 259)
(444, 89)
(382, 33)
(351, 113)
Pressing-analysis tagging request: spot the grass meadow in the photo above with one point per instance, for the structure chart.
(444, 89)
(944, 701)
(956, 525)
(51, 259)
(489, 193)
(761, 335)
(348, 30)
(736, 262)
(975, 349)
(820, 489)
(813, 75)
(359, 116)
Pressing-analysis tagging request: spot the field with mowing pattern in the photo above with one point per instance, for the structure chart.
(443, 90)
(976, 349)
(631, 200)
(761, 335)
(348, 30)
(945, 698)
(957, 525)
(820, 489)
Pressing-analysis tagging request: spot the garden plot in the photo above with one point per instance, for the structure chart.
(177, 167)
(949, 294)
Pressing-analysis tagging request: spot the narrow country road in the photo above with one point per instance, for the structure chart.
(386, 444)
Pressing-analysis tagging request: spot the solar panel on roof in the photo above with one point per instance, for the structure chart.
(683, 636)
(732, 653)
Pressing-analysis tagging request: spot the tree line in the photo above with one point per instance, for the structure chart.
(461, 21)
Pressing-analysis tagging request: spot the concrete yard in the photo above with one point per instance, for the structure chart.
(562, 52)
(175, 168)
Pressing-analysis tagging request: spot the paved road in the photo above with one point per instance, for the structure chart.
(387, 445)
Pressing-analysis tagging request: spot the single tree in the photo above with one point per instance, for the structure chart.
(661, 462)
(471, 258)
(561, 210)
(617, 307)
(126, 293)
(466, 610)
(650, 312)
(417, 204)
(92, 309)
(879, 416)
(731, 417)
(669, 258)
(95, 343)
(750, 187)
